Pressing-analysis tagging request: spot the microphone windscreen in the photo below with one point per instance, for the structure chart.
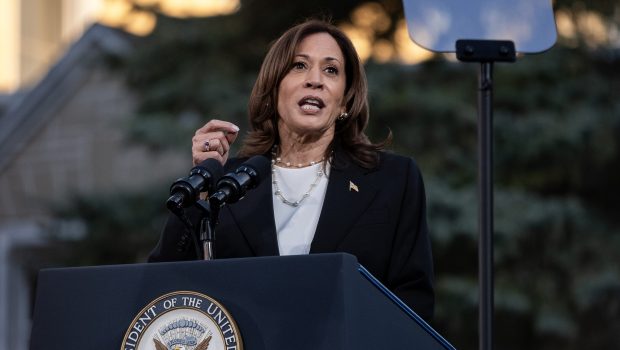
(214, 168)
(261, 165)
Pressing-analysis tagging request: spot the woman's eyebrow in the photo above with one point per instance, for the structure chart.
(328, 58)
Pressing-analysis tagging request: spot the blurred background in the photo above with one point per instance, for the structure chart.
(99, 100)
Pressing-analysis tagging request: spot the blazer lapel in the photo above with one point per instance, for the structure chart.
(254, 216)
(349, 192)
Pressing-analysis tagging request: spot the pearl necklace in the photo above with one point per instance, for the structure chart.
(278, 160)
(278, 193)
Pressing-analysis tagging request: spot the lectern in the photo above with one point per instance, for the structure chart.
(321, 301)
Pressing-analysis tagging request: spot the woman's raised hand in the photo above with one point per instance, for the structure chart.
(213, 140)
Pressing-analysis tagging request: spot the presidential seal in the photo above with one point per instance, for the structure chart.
(183, 320)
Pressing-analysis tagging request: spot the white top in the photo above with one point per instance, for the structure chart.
(295, 226)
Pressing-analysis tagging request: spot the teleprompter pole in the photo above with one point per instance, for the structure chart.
(486, 52)
(485, 204)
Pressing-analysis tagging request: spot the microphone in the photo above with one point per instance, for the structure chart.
(233, 186)
(185, 191)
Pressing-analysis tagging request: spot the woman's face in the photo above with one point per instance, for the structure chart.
(311, 95)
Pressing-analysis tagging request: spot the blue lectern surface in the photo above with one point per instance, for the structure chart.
(314, 302)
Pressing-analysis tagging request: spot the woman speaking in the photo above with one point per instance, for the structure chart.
(332, 190)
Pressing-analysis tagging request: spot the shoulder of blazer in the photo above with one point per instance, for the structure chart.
(389, 158)
(389, 163)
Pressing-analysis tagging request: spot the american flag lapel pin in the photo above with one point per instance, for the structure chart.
(353, 187)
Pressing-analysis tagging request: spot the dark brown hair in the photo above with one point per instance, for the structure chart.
(262, 107)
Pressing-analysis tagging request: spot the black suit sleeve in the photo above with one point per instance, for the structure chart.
(410, 272)
(175, 242)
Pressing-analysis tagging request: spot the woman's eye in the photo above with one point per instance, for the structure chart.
(332, 70)
(299, 65)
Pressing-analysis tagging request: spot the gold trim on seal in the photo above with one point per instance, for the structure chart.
(144, 312)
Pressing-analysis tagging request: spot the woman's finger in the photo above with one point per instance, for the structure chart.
(213, 140)
(219, 145)
(218, 125)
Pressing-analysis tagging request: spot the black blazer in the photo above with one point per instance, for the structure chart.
(383, 224)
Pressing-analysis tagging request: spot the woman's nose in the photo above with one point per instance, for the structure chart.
(313, 84)
(313, 79)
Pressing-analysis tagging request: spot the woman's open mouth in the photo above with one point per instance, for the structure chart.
(311, 103)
